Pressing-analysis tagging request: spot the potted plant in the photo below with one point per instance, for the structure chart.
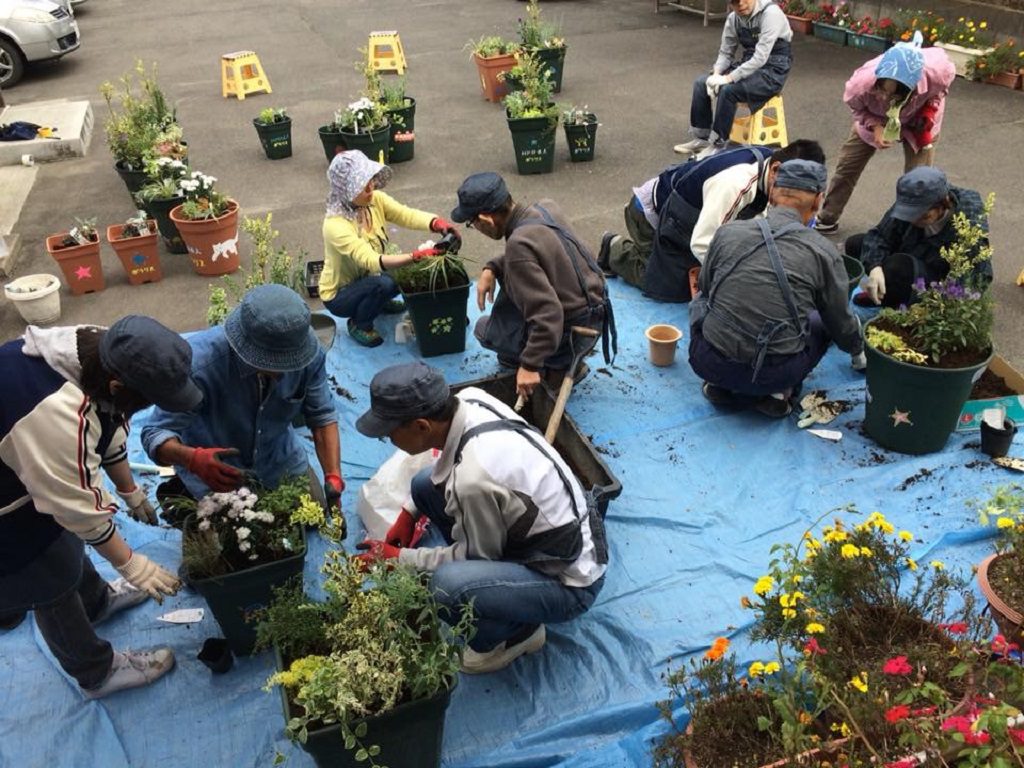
(870, 35)
(580, 132)
(134, 242)
(541, 39)
(436, 293)
(999, 574)
(963, 40)
(37, 297)
(532, 119)
(800, 14)
(1001, 66)
(493, 55)
(362, 125)
(274, 128)
(832, 21)
(236, 547)
(77, 251)
(163, 193)
(401, 114)
(365, 676)
(208, 223)
(923, 359)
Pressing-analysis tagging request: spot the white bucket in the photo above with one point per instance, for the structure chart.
(37, 297)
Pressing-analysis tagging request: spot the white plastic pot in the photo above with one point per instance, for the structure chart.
(37, 297)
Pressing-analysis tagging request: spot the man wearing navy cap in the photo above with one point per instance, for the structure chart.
(517, 537)
(907, 243)
(258, 372)
(773, 295)
(549, 282)
(67, 396)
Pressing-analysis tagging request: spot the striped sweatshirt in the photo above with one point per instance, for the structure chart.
(53, 441)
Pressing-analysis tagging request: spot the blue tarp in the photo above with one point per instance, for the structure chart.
(705, 496)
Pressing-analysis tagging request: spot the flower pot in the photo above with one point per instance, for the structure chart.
(824, 755)
(553, 60)
(1006, 79)
(331, 138)
(913, 408)
(662, 342)
(439, 319)
(275, 138)
(961, 56)
(80, 264)
(212, 243)
(37, 298)
(160, 212)
(402, 139)
(854, 271)
(830, 32)
(488, 68)
(313, 270)
(419, 723)
(582, 140)
(216, 655)
(375, 144)
(1007, 619)
(803, 25)
(134, 180)
(996, 442)
(866, 42)
(138, 255)
(533, 139)
(236, 599)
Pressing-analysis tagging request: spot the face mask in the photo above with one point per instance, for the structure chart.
(936, 226)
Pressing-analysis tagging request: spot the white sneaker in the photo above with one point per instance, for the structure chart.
(709, 150)
(476, 663)
(120, 595)
(691, 147)
(132, 669)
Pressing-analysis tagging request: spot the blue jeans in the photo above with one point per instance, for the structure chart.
(509, 599)
(363, 300)
(701, 119)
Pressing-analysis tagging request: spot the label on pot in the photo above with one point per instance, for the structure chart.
(183, 616)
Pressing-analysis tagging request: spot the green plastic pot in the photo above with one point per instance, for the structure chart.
(439, 319)
(402, 138)
(374, 145)
(854, 271)
(160, 211)
(830, 33)
(533, 139)
(276, 138)
(914, 408)
(869, 43)
(409, 736)
(582, 140)
(236, 598)
(554, 61)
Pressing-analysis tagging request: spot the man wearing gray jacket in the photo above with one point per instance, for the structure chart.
(773, 297)
(517, 536)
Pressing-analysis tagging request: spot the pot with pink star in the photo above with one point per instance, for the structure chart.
(135, 245)
(77, 252)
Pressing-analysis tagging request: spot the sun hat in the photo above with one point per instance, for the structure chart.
(401, 393)
(270, 330)
(480, 193)
(348, 175)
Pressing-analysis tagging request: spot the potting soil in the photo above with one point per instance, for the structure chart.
(706, 493)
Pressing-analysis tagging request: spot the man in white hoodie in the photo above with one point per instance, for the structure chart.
(66, 397)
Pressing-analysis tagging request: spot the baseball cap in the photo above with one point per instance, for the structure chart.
(918, 191)
(480, 193)
(802, 174)
(401, 393)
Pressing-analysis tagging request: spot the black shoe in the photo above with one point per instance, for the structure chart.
(774, 407)
(718, 395)
(604, 253)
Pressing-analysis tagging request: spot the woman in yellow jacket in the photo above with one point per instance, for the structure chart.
(354, 282)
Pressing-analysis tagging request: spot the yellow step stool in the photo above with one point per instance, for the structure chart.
(241, 73)
(767, 126)
(384, 52)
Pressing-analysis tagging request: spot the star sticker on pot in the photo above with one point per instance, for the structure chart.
(138, 259)
(900, 417)
(83, 273)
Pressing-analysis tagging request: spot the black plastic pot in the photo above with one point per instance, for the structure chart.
(996, 442)
(216, 655)
(554, 59)
(134, 180)
(160, 211)
(533, 139)
(375, 144)
(313, 270)
(582, 139)
(236, 598)
(439, 319)
(276, 138)
(402, 137)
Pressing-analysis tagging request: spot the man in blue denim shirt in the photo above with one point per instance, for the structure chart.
(258, 372)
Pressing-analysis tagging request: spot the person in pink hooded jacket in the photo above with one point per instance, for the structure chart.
(898, 96)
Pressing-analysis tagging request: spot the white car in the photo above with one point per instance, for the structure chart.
(34, 30)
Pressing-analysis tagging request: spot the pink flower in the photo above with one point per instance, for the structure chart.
(957, 723)
(907, 762)
(1016, 734)
(897, 713)
(956, 628)
(897, 666)
(812, 648)
(976, 739)
(1000, 645)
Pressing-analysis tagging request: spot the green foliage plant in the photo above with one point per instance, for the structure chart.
(271, 115)
(1004, 57)
(535, 98)
(490, 46)
(535, 32)
(137, 116)
(437, 273)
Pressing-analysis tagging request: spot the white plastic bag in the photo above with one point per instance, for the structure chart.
(382, 496)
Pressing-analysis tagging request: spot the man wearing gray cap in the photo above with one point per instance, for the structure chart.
(66, 399)
(258, 372)
(906, 245)
(517, 536)
(773, 297)
(549, 282)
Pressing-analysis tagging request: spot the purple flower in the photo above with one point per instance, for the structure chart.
(919, 285)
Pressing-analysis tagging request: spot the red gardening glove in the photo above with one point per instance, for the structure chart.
(333, 486)
(424, 253)
(401, 531)
(926, 124)
(444, 227)
(205, 464)
(376, 552)
(421, 528)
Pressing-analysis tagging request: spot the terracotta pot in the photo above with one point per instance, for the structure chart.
(80, 264)
(138, 255)
(212, 243)
(803, 25)
(1005, 79)
(489, 68)
(663, 340)
(1007, 619)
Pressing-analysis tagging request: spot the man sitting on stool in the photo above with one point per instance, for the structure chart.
(773, 296)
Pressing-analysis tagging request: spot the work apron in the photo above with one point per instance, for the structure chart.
(766, 82)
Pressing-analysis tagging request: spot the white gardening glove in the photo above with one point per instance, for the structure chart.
(138, 505)
(859, 361)
(143, 573)
(714, 82)
(874, 286)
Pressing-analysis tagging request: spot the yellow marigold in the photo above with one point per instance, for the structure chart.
(983, 25)
(849, 551)
(756, 669)
(797, 578)
(814, 628)
(789, 600)
(865, 552)
(906, 536)
(911, 563)
(836, 536)
(1005, 522)
(938, 565)
(789, 613)
(860, 682)
(764, 585)
(771, 667)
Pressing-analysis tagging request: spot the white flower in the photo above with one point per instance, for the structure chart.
(363, 103)
(253, 556)
(244, 546)
(204, 525)
(243, 533)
